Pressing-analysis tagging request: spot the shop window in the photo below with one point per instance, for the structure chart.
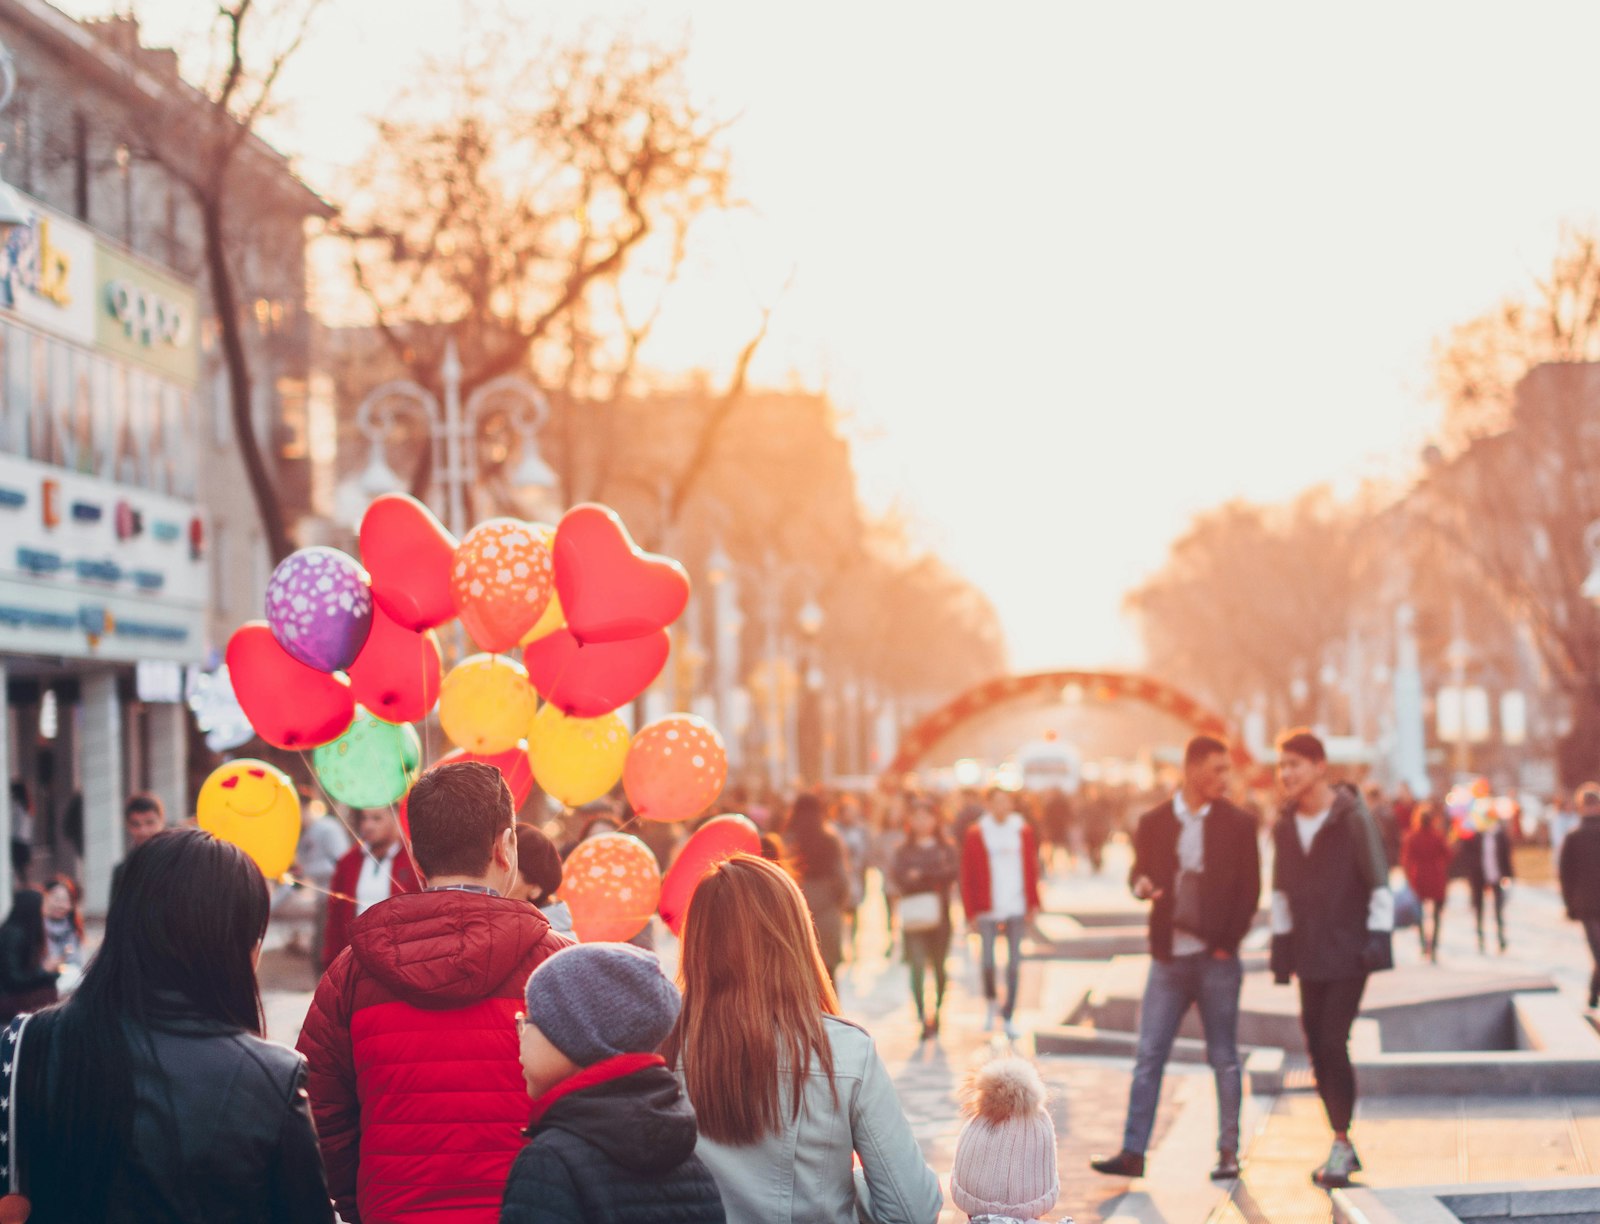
(62, 395)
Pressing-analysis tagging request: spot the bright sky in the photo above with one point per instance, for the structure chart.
(1077, 271)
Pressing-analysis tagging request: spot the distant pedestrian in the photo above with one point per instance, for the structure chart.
(1058, 821)
(1332, 924)
(28, 969)
(1489, 872)
(925, 869)
(21, 830)
(1390, 830)
(1579, 870)
(1099, 816)
(1005, 1165)
(797, 1112)
(539, 874)
(323, 842)
(143, 816)
(372, 871)
(853, 833)
(1000, 892)
(612, 1136)
(1425, 855)
(821, 867)
(1563, 817)
(150, 1094)
(1197, 861)
(415, 1081)
(63, 930)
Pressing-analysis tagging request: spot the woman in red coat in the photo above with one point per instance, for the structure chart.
(1425, 856)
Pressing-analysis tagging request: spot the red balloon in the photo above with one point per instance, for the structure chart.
(512, 764)
(588, 681)
(408, 553)
(289, 704)
(610, 590)
(398, 673)
(716, 841)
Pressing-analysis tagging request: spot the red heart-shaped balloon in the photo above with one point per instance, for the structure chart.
(408, 552)
(289, 704)
(716, 841)
(512, 764)
(588, 681)
(610, 590)
(398, 673)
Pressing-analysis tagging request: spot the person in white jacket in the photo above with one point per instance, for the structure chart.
(787, 1094)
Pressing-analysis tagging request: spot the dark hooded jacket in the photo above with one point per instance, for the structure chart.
(415, 1080)
(613, 1145)
(1328, 891)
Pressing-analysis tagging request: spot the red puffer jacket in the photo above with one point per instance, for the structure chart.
(414, 1077)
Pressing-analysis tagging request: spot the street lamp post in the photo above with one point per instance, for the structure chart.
(453, 433)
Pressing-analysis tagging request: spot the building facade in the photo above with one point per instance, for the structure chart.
(129, 543)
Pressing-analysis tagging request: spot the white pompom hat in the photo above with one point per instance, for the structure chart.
(1006, 1156)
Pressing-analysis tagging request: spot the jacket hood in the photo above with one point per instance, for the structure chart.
(642, 1121)
(440, 950)
(1345, 798)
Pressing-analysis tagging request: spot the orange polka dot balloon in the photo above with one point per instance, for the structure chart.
(612, 885)
(501, 581)
(675, 769)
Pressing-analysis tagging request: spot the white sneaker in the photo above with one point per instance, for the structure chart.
(1012, 1032)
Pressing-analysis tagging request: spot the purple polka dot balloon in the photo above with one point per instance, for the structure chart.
(319, 605)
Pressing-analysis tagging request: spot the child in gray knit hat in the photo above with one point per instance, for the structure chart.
(1005, 1169)
(612, 1135)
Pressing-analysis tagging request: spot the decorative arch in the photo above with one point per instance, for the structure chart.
(985, 698)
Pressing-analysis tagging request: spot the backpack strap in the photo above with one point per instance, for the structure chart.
(14, 1206)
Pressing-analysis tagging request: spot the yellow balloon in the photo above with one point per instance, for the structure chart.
(486, 703)
(253, 806)
(576, 759)
(552, 619)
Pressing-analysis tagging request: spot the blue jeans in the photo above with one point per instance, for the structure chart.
(1172, 986)
(989, 929)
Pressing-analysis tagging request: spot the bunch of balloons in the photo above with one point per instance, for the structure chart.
(348, 657)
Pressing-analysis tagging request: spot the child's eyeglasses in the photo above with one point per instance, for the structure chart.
(522, 1022)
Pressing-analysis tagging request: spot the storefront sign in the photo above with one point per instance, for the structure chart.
(145, 315)
(99, 586)
(47, 274)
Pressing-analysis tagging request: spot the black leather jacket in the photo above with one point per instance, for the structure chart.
(222, 1132)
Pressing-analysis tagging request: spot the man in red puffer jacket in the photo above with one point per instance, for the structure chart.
(414, 1076)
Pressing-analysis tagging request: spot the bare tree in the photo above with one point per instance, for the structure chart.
(1252, 596)
(507, 224)
(1478, 365)
(203, 136)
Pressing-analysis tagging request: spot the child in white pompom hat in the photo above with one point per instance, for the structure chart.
(1005, 1169)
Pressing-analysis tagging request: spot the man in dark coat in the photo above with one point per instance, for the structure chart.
(1579, 868)
(1487, 859)
(1195, 858)
(1332, 924)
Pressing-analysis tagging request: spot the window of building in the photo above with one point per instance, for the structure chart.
(18, 401)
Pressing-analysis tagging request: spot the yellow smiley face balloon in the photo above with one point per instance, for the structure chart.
(254, 806)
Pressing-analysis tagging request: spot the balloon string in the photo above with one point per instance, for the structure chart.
(288, 878)
(333, 807)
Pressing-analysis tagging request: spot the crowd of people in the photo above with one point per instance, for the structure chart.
(464, 1058)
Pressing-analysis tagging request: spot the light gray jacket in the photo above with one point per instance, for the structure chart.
(803, 1174)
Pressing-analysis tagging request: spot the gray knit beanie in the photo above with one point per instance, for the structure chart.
(595, 1001)
(1006, 1155)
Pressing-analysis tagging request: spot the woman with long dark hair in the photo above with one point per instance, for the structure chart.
(822, 868)
(150, 1095)
(787, 1094)
(925, 868)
